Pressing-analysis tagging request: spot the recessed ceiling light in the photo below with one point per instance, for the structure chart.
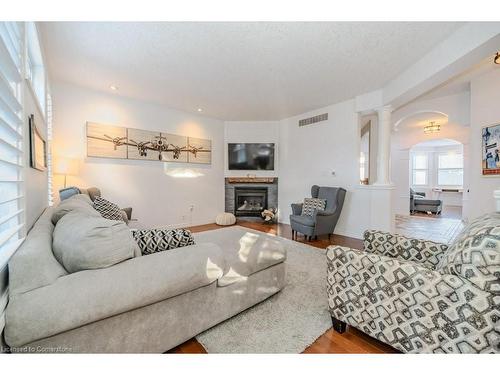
(113, 87)
(200, 110)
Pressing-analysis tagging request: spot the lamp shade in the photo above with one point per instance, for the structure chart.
(66, 166)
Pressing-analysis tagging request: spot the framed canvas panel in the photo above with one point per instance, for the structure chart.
(144, 144)
(178, 146)
(105, 141)
(38, 147)
(200, 151)
(490, 156)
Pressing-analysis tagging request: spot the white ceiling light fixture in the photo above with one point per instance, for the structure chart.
(113, 88)
(432, 128)
(200, 109)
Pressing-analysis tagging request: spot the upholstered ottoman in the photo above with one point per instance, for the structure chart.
(247, 253)
(225, 218)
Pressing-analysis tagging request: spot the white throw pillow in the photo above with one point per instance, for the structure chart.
(83, 242)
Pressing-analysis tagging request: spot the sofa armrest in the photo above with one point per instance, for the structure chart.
(84, 297)
(428, 253)
(407, 305)
(297, 208)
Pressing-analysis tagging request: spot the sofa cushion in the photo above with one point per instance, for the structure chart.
(246, 251)
(108, 210)
(83, 242)
(311, 205)
(154, 240)
(475, 253)
(80, 201)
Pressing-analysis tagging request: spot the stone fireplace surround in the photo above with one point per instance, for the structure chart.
(250, 184)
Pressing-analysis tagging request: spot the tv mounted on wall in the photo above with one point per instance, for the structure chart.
(251, 156)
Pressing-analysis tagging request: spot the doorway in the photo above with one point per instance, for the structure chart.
(436, 181)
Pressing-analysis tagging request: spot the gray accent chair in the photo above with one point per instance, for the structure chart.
(418, 203)
(322, 222)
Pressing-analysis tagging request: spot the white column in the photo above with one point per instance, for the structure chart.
(384, 145)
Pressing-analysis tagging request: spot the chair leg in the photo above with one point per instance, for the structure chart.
(338, 325)
(315, 237)
(329, 236)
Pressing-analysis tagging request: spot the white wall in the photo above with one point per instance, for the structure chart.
(485, 110)
(157, 199)
(36, 181)
(309, 155)
(252, 132)
(457, 107)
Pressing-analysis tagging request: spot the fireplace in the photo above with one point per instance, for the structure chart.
(258, 192)
(249, 201)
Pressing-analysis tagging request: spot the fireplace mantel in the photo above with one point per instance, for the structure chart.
(250, 180)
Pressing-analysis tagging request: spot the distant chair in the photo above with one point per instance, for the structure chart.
(322, 221)
(420, 204)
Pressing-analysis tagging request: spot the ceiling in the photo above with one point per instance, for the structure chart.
(421, 119)
(461, 82)
(238, 71)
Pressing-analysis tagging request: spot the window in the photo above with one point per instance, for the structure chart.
(11, 140)
(420, 169)
(450, 169)
(35, 70)
(49, 150)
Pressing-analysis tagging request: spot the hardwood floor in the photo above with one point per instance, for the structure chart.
(442, 230)
(351, 342)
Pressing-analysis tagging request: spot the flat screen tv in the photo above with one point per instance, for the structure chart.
(251, 156)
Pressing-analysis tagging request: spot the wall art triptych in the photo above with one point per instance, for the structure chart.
(107, 141)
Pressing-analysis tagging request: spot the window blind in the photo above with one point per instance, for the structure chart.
(11, 140)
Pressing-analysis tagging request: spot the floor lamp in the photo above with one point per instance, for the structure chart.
(66, 167)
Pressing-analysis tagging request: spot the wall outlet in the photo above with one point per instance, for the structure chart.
(191, 207)
(183, 218)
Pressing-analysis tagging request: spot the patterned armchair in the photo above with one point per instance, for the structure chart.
(421, 296)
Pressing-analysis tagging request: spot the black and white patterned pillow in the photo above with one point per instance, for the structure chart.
(311, 205)
(107, 209)
(154, 240)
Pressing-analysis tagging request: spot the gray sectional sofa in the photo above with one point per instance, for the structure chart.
(148, 303)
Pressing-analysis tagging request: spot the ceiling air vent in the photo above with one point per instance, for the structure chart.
(313, 120)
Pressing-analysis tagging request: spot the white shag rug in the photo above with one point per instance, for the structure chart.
(287, 322)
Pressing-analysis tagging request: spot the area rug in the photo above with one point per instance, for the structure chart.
(287, 322)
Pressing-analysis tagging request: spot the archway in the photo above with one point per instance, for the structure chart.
(434, 172)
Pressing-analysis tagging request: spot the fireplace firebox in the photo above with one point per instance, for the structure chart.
(249, 201)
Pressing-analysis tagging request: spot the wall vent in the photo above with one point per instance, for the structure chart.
(313, 120)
